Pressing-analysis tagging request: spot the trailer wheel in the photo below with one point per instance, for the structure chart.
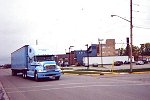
(36, 76)
(14, 73)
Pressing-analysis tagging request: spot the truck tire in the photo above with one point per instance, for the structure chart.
(36, 76)
(14, 73)
(57, 77)
(24, 74)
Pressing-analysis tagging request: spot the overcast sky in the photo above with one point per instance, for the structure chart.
(59, 24)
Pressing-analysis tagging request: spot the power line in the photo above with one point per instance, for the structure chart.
(142, 27)
(141, 11)
(135, 18)
(141, 5)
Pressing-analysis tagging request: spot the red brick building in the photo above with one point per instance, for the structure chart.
(107, 49)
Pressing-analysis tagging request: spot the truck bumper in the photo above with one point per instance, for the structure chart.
(48, 74)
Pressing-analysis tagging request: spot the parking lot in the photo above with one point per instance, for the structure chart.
(111, 67)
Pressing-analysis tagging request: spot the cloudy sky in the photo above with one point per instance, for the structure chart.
(59, 24)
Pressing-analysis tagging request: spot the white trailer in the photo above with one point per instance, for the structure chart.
(105, 60)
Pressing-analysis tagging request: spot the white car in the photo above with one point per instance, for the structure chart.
(139, 63)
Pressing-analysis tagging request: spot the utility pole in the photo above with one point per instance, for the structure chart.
(69, 54)
(87, 52)
(100, 47)
(131, 35)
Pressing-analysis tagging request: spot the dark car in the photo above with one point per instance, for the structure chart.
(65, 64)
(145, 61)
(126, 62)
(95, 65)
(118, 63)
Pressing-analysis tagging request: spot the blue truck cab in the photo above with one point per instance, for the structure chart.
(36, 62)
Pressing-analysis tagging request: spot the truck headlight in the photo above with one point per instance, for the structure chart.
(40, 70)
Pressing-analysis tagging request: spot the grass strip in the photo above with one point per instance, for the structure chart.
(93, 71)
(82, 72)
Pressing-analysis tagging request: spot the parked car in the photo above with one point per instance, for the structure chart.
(95, 65)
(126, 62)
(145, 61)
(118, 63)
(139, 63)
(65, 64)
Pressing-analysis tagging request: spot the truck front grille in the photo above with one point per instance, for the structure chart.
(50, 74)
(50, 67)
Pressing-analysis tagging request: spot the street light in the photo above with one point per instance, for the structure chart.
(131, 35)
(100, 43)
(120, 17)
(69, 54)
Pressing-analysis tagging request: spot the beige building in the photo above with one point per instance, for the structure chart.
(107, 49)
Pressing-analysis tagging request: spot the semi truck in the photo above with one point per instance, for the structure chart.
(35, 62)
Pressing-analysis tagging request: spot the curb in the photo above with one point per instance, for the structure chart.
(146, 72)
(107, 73)
(3, 95)
(101, 73)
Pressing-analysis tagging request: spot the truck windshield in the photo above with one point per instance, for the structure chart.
(41, 58)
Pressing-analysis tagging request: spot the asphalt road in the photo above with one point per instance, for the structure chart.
(78, 87)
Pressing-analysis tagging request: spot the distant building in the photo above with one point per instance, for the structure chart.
(79, 54)
(76, 57)
(108, 49)
(61, 58)
(66, 59)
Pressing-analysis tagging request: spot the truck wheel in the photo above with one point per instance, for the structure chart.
(13, 73)
(57, 78)
(36, 77)
(24, 74)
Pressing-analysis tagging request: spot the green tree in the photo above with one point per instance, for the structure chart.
(135, 52)
(122, 52)
(127, 50)
(146, 49)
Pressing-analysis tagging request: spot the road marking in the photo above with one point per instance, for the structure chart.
(73, 87)
(59, 85)
(64, 84)
(131, 81)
